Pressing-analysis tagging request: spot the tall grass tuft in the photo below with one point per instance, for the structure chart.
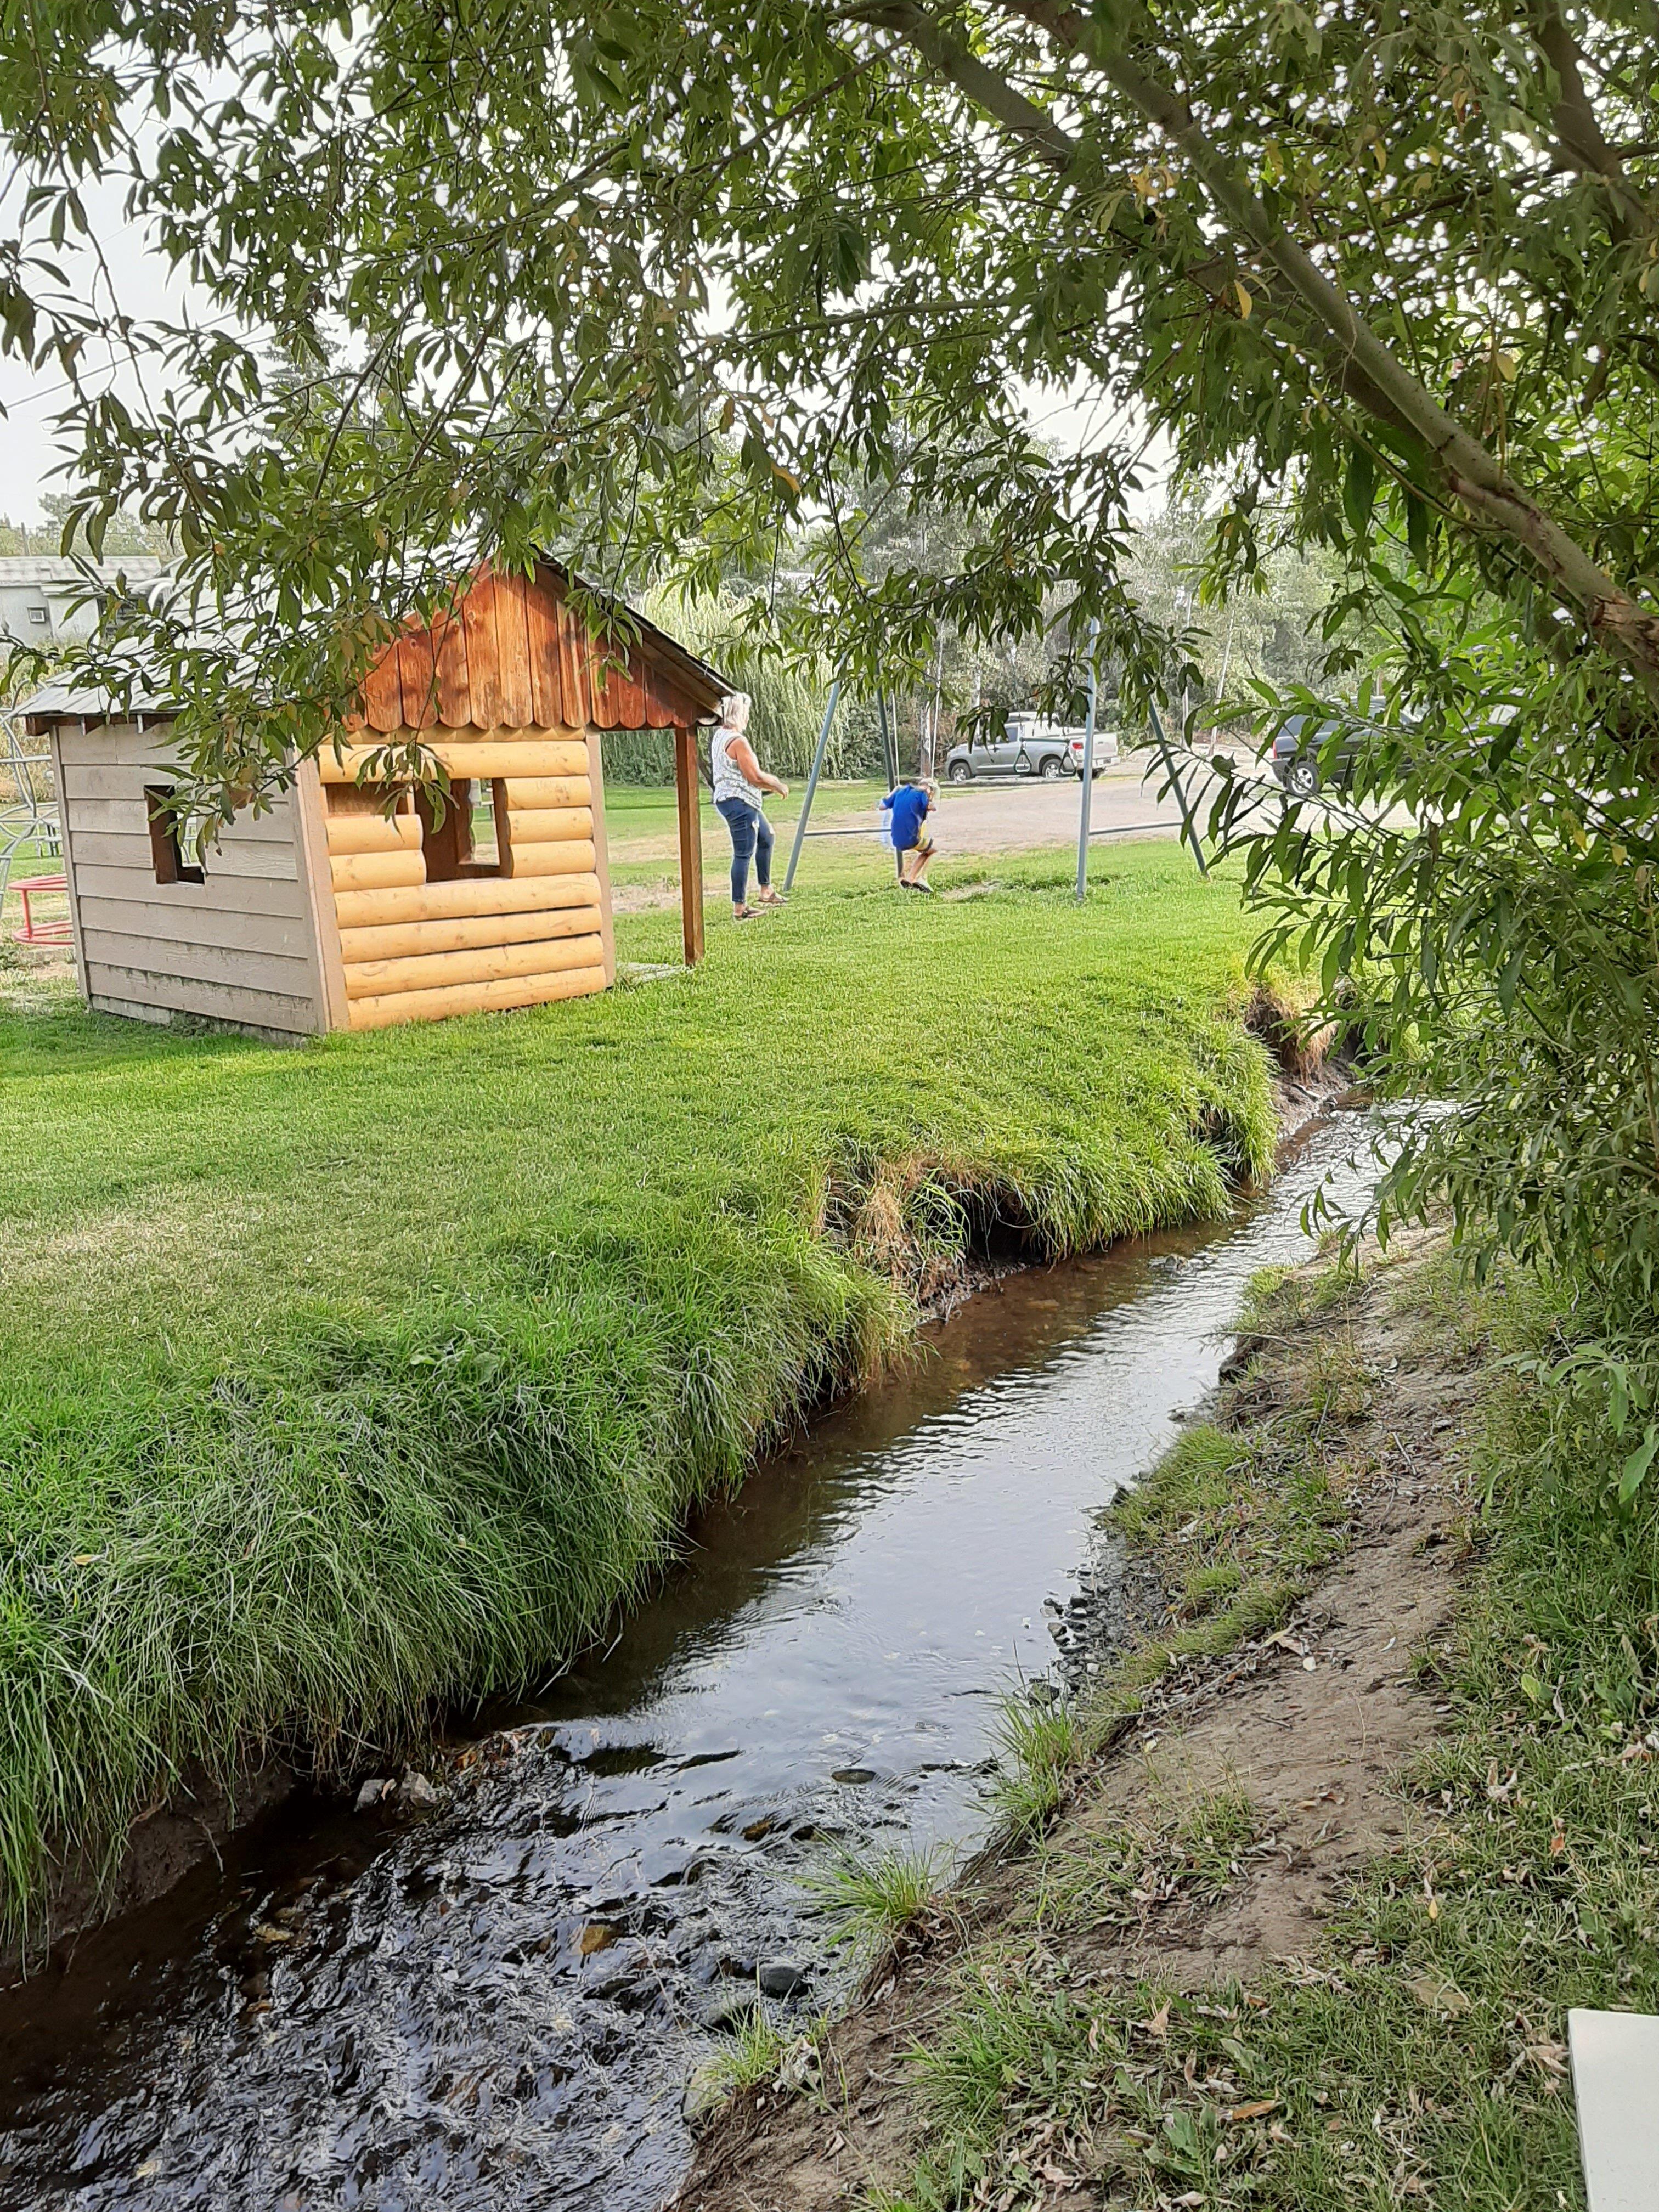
(1036, 1746)
(872, 1897)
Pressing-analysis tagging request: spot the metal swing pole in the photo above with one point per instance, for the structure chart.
(890, 761)
(810, 791)
(889, 739)
(1088, 772)
(1175, 784)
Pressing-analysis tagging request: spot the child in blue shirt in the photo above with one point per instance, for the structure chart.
(909, 805)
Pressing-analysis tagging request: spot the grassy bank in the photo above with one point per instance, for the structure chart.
(344, 1379)
(1411, 2053)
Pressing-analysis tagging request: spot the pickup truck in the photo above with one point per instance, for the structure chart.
(1027, 745)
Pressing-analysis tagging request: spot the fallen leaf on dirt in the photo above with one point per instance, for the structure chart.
(1250, 2111)
(801, 2067)
(1158, 2026)
(1439, 1997)
(1552, 2056)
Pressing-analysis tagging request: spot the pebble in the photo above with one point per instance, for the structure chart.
(414, 1790)
(608, 1988)
(727, 2011)
(370, 1794)
(780, 1978)
(703, 2095)
(853, 1774)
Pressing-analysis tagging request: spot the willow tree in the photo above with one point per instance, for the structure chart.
(658, 284)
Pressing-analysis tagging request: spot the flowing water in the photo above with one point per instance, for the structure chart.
(498, 2001)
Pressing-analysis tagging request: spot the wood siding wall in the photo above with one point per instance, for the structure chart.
(239, 947)
(414, 950)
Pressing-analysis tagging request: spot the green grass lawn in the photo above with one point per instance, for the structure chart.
(633, 812)
(343, 1379)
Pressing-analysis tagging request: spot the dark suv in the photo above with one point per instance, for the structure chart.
(1294, 758)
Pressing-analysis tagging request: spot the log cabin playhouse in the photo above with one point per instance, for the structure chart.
(328, 912)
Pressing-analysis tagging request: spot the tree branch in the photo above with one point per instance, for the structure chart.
(1386, 387)
(1579, 141)
(1215, 278)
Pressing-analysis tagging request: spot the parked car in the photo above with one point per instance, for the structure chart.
(1028, 745)
(1295, 761)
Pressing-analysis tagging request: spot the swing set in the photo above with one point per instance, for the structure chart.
(889, 762)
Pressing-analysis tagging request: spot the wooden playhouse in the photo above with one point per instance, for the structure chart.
(328, 912)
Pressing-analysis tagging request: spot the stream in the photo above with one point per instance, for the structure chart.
(497, 2001)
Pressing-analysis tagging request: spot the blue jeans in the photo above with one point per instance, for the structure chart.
(752, 839)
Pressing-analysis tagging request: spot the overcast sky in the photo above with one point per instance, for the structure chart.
(125, 273)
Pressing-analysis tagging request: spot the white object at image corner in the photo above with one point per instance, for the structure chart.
(1615, 2085)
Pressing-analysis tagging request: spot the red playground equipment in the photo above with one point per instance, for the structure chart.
(56, 929)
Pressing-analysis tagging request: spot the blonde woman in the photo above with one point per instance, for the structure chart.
(740, 788)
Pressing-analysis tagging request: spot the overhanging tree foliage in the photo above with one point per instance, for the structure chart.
(609, 274)
(655, 285)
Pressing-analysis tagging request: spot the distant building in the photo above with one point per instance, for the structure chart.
(44, 598)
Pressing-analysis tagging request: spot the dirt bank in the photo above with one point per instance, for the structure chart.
(1247, 1763)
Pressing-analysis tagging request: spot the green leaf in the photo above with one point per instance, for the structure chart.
(1636, 1465)
(1419, 523)
(1359, 490)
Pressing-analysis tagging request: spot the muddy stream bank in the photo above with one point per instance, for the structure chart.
(496, 2000)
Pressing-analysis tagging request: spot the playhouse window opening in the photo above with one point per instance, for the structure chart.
(469, 839)
(175, 840)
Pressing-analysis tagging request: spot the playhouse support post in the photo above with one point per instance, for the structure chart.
(688, 790)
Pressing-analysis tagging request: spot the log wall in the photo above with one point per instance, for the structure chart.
(412, 949)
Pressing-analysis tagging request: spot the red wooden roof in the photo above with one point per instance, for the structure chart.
(514, 655)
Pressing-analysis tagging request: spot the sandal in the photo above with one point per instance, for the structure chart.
(743, 914)
(769, 897)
